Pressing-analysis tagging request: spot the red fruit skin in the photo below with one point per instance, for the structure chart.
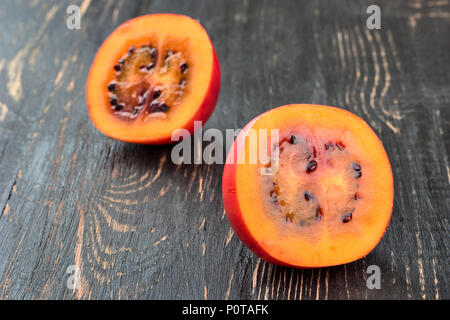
(231, 203)
(209, 103)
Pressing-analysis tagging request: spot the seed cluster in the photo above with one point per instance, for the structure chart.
(131, 97)
(312, 164)
(330, 146)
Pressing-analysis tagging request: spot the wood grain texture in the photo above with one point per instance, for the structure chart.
(142, 227)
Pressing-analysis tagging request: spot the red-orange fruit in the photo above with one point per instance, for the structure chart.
(154, 74)
(325, 200)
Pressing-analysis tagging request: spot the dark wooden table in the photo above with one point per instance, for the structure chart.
(139, 226)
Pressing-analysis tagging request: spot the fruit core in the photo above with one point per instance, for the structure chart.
(148, 82)
(312, 180)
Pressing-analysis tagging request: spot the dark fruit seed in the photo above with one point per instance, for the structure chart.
(135, 111)
(183, 67)
(131, 49)
(163, 107)
(340, 145)
(153, 53)
(154, 107)
(117, 67)
(357, 168)
(113, 101)
(112, 87)
(293, 139)
(312, 165)
(121, 61)
(347, 217)
(118, 107)
(356, 196)
(329, 146)
(308, 196)
(290, 216)
(319, 213)
(150, 65)
(156, 94)
(314, 152)
(273, 196)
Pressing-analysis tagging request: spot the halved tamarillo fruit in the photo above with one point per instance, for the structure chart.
(154, 74)
(322, 195)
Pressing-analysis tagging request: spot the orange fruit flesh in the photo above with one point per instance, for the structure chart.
(331, 215)
(167, 33)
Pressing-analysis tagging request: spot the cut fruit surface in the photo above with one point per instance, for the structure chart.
(153, 75)
(323, 196)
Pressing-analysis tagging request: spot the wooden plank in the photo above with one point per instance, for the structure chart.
(139, 226)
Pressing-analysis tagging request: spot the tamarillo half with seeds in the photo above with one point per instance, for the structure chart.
(153, 75)
(322, 195)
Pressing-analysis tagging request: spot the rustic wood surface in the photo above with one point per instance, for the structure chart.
(139, 226)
